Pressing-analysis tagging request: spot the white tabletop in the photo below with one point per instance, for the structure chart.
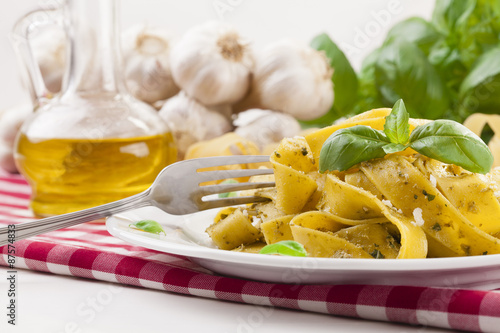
(56, 304)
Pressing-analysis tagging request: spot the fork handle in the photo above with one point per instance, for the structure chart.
(15, 232)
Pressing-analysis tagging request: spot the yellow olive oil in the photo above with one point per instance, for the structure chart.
(67, 175)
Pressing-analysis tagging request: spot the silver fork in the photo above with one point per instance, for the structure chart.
(176, 190)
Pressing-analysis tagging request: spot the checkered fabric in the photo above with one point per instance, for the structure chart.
(89, 251)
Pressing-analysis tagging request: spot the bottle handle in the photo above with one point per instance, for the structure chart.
(20, 38)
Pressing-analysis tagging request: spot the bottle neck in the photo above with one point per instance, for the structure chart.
(94, 54)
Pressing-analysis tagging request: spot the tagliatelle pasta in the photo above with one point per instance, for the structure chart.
(402, 206)
(476, 123)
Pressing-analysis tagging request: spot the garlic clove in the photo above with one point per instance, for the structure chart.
(192, 122)
(212, 64)
(265, 127)
(7, 162)
(224, 109)
(11, 121)
(146, 63)
(291, 78)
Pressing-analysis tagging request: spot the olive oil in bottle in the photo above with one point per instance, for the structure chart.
(91, 143)
(72, 174)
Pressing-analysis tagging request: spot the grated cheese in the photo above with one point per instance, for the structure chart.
(256, 221)
(417, 215)
(387, 203)
(433, 180)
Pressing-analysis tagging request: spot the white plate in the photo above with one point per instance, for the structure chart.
(186, 236)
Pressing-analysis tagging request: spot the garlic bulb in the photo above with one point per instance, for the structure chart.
(7, 159)
(10, 123)
(292, 78)
(264, 127)
(191, 122)
(146, 63)
(49, 49)
(212, 64)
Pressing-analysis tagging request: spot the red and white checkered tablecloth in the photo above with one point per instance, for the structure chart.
(89, 251)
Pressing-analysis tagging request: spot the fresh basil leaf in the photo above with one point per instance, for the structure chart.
(451, 142)
(345, 81)
(477, 32)
(393, 148)
(350, 146)
(402, 71)
(446, 59)
(397, 126)
(472, 26)
(448, 14)
(415, 30)
(377, 254)
(368, 97)
(285, 248)
(228, 194)
(149, 226)
(480, 90)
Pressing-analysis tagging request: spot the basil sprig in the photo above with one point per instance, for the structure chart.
(443, 140)
(228, 194)
(285, 248)
(149, 226)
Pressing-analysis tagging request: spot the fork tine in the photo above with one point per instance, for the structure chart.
(234, 201)
(223, 188)
(235, 173)
(215, 161)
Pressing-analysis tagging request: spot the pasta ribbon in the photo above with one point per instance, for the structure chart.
(468, 192)
(401, 206)
(374, 118)
(278, 229)
(233, 230)
(411, 192)
(355, 203)
(317, 220)
(294, 188)
(375, 239)
(321, 244)
(476, 123)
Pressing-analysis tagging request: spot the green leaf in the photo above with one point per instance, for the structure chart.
(350, 146)
(480, 90)
(446, 59)
(471, 27)
(415, 30)
(477, 32)
(345, 81)
(377, 254)
(393, 148)
(402, 71)
(397, 126)
(451, 142)
(448, 14)
(285, 248)
(149, 226)
(228, 194)
(368, 97)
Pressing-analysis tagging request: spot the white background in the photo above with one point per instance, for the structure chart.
(357, 26)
